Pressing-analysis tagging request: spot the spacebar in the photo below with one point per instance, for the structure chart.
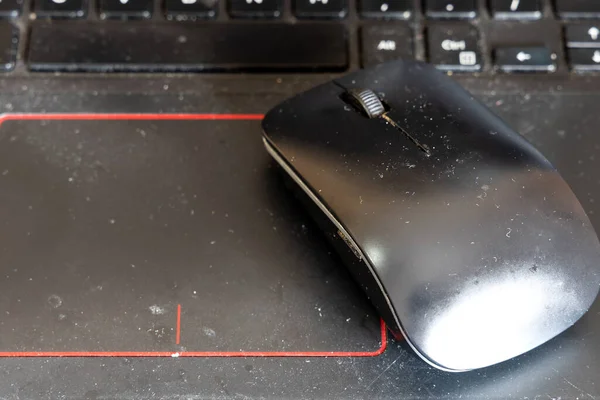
(147, 47)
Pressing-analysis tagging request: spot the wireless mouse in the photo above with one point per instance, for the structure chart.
(463, 235)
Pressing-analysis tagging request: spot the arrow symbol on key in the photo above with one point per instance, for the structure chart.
(522, 56)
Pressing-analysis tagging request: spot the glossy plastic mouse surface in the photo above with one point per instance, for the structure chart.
(464, 236)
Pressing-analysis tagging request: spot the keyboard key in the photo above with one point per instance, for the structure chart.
(255, 8)
(386, 9)
(9, 39)
(60, 8)
(320, 8)
(583, 35)
(454, 47)
(578, 8)
(516, 9)
(582, 60)
(125, 9)
(183, 10)
(525, 59)
(10, 8)
(381, 43)
(451, 8)
(106, 46)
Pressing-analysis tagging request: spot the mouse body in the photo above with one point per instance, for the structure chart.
(466, 239)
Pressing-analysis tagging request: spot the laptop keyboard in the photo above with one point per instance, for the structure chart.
(468, 36)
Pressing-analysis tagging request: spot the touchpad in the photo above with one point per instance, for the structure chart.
(163, 235)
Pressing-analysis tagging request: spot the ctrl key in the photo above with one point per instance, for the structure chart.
(454, 47)
(9, 39)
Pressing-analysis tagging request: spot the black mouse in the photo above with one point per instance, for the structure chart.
(463, 235)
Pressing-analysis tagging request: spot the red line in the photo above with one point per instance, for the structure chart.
(134, 116)
(375, 353)
(178, 328)
(228, 117)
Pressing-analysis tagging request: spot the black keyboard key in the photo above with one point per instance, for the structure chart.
(9, 39)
(255, 8)
(582, 60)
(138, 46)
(381, 43)
(60, 8)
(183, 10)
(398, 9)
(454, 47)
(525, 59)
(451, 8)
(583, 35)
(516, 9)
(578, 8)
(125, 9)
(320, 8)
(10, 8)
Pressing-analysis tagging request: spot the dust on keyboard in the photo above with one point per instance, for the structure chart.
(476, 36)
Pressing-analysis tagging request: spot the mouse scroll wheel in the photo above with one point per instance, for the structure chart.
(368, 101)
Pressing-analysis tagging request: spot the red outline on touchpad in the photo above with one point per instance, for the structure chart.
(173, 117)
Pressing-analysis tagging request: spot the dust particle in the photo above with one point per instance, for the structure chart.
(156, 309)
(209, 332)
(54, 301)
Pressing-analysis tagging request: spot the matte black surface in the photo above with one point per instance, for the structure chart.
(181, 11)
(521, 9)
(451, 8)
(561, 122)
(467, 227)
(10, 8)
(381, 43)
(325, 9)
(125, 9)
(578, 8)
(584, 59)
(492, 33)
(381, 9)
(558, 112)
(253, 9)
(448, 43)
(66, 9)
(582, 35)
(9, 39)
(116, 251)
(186, 47)
(524, 59)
